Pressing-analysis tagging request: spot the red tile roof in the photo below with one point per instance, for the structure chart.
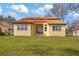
(54, 22)
(49, 20)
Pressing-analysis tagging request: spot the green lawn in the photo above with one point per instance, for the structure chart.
(36, 46)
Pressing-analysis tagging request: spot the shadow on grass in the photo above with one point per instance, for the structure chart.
(71, 52)
(40, 52)
(58, 52)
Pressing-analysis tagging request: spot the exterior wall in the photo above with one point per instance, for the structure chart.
(22, 32)
(31, 31)
(57, 33)
(4, 28)
(46, 33)
(76, 33)
(11, 29)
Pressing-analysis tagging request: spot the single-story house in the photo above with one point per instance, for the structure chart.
(39, 26)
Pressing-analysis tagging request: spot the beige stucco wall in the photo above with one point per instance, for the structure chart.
(57, 33)
(46, 33)
(49, 31)
(22, 32)
(4, 28)
(76, 33)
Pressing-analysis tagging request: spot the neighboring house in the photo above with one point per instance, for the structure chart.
(75, 31)
(39, 26)
(6, 27)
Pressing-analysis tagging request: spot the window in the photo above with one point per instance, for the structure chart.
(45, 25)
(59, 28)
(18, 27)
(25, 27)
(22, 27)
(56, 28)
(39, 30)
(45, 28)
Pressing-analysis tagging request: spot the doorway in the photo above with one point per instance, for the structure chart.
(39, 28)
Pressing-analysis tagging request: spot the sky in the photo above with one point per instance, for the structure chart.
(22, 10)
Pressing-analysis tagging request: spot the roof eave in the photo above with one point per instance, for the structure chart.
(57, 24)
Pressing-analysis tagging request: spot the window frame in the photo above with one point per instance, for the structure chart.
(45, 27)
(56, 27)
(22, 27)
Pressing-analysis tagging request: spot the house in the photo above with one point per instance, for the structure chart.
(74, 28)
(6, 27)
(75, 31)
(39, 26)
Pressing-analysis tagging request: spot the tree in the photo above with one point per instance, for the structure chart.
(73, 6)
(1, 17)
(60, 9)
(10, 19)
(74, 26)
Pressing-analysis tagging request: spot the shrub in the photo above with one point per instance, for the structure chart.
(2, 34)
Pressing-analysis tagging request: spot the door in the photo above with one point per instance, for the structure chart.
(39, 28)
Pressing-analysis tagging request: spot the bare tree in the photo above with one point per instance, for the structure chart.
(74, 27)
(60, 9)
(73, 6)
(75, 24)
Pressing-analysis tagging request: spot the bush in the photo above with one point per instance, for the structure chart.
(2, 34)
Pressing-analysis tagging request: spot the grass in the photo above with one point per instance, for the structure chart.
(39, 46)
